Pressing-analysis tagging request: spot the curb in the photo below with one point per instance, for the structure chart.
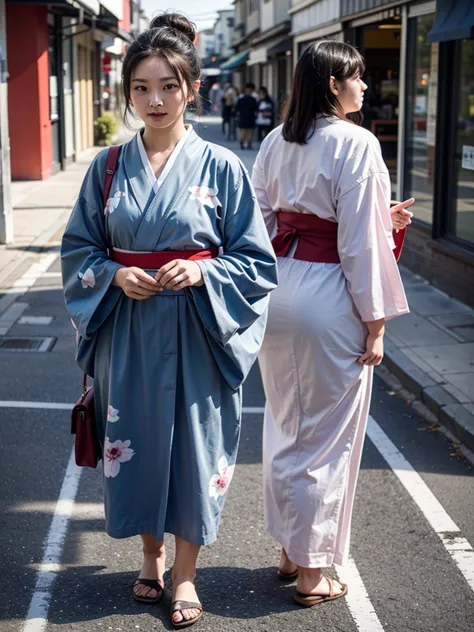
(449, 411)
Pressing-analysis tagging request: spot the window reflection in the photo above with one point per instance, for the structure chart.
(422, 94)
(464, 220)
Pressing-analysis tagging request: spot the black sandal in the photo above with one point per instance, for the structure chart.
(150, 583)
(179, 605)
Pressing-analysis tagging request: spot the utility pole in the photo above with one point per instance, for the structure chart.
(6, 211)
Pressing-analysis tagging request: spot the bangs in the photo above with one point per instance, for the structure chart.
(354, 63)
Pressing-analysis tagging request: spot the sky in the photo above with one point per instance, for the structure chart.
(201, 12)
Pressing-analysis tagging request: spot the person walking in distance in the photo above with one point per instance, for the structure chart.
(324, 191)
(167, 287)
(247, 113)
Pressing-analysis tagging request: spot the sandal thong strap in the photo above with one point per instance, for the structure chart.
(151, 583)
(179, 605)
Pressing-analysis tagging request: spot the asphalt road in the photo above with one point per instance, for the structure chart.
(403, 575)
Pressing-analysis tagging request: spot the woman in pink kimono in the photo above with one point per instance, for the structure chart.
(324, 191)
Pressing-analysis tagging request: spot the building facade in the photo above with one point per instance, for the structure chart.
(56, 83)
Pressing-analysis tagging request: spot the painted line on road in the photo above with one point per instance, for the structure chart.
(65, 406)
(44, 405)
(457, 546)
(357, 599)
(37, 616)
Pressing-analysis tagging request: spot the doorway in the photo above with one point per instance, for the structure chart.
(380, 44)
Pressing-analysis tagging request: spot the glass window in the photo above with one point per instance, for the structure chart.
(464, 218)
(422, 95)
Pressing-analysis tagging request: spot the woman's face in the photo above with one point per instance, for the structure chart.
(157, 95)
(349, 93)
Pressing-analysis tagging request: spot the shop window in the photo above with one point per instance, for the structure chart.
(422, 94)
(464, 163)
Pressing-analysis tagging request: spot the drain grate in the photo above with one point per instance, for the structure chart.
(36, 344)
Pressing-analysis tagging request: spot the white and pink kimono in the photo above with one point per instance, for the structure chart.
(318, 396)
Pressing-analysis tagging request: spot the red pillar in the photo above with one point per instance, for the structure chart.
(28, 91)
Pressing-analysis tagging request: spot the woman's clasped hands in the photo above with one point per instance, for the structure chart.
(175, 275)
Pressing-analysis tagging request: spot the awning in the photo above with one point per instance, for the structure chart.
(236, 60)
(211, 72)
(281, 48)
(454, 20)
(257, 56)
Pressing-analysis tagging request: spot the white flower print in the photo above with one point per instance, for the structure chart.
(219, 483)
(112, 414)
(114, 454)
(113, 202)
(88, 278)
(206, 195)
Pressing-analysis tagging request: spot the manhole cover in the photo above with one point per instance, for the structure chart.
(37, 344)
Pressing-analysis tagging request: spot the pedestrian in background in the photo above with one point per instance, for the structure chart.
(247, 113)
(228, 111)
(169, 328)
(324, 191)
(265, 114)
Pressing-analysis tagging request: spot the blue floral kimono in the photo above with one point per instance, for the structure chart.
(168, 370)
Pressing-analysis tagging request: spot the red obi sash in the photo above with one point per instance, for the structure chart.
(317, 238)
(155, 260)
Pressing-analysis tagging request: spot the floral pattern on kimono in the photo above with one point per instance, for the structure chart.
(115, 454)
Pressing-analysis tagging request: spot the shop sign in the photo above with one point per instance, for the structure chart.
(468, 157)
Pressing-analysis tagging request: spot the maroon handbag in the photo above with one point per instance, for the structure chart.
(88, 451)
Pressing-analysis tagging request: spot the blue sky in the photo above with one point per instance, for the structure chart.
(201, 12)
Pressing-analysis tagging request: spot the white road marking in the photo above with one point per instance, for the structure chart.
(10, 316)
(35, 320)
(357, 599)
(65, 406)
(37, 616)
(457, 545)
(45, 405)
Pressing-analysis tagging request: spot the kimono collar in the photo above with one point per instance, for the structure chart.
(157, 182)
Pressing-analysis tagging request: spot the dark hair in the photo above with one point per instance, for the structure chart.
(171, 38)
(265, 92)
(311, 95)
(250, 85)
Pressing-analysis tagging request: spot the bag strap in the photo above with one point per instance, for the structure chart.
(110, 168)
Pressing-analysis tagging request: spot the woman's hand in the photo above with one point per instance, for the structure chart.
(178, 274)
(400, 216)
(373, 355)
(136, 283)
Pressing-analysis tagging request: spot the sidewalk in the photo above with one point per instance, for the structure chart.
(431, 350)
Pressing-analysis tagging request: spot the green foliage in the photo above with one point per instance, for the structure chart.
(105, 127)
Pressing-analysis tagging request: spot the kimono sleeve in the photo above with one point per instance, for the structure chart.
(258, 181)
(86, 268)
(365, 247)
(236, 283)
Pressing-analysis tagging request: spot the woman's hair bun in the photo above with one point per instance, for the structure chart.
(175, 21)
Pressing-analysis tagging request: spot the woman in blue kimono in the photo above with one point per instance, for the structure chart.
(168, 288)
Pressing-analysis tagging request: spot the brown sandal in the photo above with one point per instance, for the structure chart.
(287, 577)
(153, 584)
(315, 600)
(179, 605)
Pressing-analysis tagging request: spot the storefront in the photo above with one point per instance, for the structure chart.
(438, 156)
(378, 36)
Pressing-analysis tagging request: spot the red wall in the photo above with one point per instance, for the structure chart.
(125, 22)
(28, 91)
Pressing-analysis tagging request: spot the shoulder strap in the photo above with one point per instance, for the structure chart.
(110, 166)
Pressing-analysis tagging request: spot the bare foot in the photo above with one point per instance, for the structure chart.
(311, 581)
(184, 590)
(286, 566)
(153, 568)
